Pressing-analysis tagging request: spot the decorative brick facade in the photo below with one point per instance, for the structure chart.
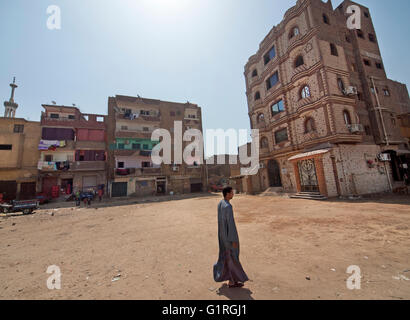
(329, 101)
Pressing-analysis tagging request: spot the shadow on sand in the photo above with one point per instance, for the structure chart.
(235, 293)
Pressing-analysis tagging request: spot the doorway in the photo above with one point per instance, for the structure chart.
(308, 177)
(274, 174)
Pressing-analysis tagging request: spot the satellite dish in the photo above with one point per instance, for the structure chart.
(53, 102)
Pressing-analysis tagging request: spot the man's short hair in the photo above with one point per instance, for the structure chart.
(226, 190)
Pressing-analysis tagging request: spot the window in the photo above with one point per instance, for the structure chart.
(145, 129)
(372, 89)
(393, 121)
(341, 85)
(48, 158)
(333, 50)
(366, 14)
(54, 116)
(18, 128)
(299, 61)
(360, 33)
(270, 55)
(386, 92)
(379, 65)
(124, 128)
(277, 108)
(305, 92)
(178, 113)
(367, 62)
(346, 117)
(136, 146)
(294, 32)
(372, 37)
(6, 147)
(172, 113)
(264, 143)
(281, 135)
(257, 95)
(71, 117)
(309, 125)
(272, 80)
(121, 146)
(353, 67)
(144, 112)
(254, 73)
(347, 39)
(367, 130)
(145, 146)
(121, 165)
(261, 118)
(325, 19)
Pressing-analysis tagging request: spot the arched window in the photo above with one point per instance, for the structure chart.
(264, 143)
(257, 95)
(305, 92)
(254, 73)
(299, 61)
(261, 118)
(294, 32)
(309, 125)
(325, 19)
(346, 117)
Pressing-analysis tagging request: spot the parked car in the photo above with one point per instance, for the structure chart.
(86, 194)
(216, 187)
(42, 198)
(25, 206)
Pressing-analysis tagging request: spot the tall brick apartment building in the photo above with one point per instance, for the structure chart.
(131, 121)
(327, 113)
(73, 151)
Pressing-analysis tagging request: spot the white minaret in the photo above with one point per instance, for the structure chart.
(10, 106)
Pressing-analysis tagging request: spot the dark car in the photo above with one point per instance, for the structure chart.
(26, 206)
(42, 198)
(87, 194)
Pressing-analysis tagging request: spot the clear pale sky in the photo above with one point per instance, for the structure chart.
(174, 50)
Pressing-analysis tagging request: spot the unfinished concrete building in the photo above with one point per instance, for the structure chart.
(131, 169)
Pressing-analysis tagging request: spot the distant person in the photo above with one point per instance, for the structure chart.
(77, 199)
(228, 267)
(100, 194)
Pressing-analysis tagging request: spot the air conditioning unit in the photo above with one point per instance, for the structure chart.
(350, 91)
(384, 157)
(261, 165)
(355, 128)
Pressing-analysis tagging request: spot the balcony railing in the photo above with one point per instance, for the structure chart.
(71, 166)
(137, 172)
(355, 128)
(139, 118)
(87, 165)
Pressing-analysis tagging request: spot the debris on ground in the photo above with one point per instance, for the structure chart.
(307, 278)
(116, 278)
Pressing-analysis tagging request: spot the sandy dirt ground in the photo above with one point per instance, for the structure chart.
(290, 249)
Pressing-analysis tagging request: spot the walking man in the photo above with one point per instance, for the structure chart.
(228, 267)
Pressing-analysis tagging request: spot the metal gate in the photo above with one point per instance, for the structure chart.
(27, 190)
(119, 189)
(307, 174)
(8, 189)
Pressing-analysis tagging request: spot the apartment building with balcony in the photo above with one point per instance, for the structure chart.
(73, 152)
(132, 120)
(327, 113)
